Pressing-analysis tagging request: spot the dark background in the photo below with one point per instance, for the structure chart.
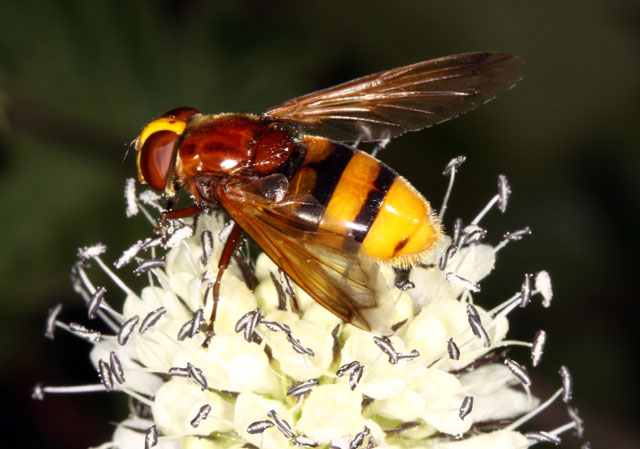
(78, 80)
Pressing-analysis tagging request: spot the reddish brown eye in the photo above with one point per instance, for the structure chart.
(155, 158)
(183, 113)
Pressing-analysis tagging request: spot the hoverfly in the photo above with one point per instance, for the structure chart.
(326, 213)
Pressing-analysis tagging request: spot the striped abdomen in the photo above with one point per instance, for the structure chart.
(363, 198)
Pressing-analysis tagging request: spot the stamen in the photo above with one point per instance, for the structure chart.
(303, 440)
(198, 320)
(192, 327)
(51, 321)
(83, 285)
(130, 253)
(537, 347)
(206, 240)
(567, 384)
(455, 278)
(282, 425)
(282, 301)
(577, 422)
(297, 346)
(506, 306)
(451, 169)
(385, 346)
(275, 326)
(284, 279)
(176, 371)
(185, 330)
(457, 232)
(345, 368)
(453, 350)
(409, 355)
(152, 221)
(207, 293)
(223, 235)
(405, 285)
(259, 426)
(151, 437)
(151, 198)
(526, 417)
(149, 264)
(89, 252)
(151, 319)
(472, 312)
(95, 301)
(486, 209)
(476, 326)
(473, 236)
(251, 327)
(504, 191)
(202, 415)
(518, 235)
(512, 237)
(248, 323)
(559, 430)
(303, 388)
(355, 376)
(151, 243)
(179, 235)
(197, 375)
(448, 254)
(39, 390)
(130, 198)
(543, 285)
(80, 331)
(76, 279)
(359, 438)
(116, 367)
(543, 437)
(519, 371)
(127, 328)
(106, 376)
(466, 407)
(115, 278)
(525, 291)
(380, 145)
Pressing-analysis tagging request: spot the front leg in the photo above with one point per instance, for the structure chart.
(227, 252)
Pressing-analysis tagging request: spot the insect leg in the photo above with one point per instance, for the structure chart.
(188, 211)
(225, 257)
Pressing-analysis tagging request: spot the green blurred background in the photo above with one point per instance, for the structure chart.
(78, 80)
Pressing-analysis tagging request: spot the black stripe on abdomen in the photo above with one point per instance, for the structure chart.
(329, 172)
(371, 207)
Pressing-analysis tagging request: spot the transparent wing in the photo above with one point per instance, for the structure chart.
(387, 104)
(329, 267)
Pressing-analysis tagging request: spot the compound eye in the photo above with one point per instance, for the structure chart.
(155, 160)
(183, 113)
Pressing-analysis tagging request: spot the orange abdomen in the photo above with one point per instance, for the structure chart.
(365, 199)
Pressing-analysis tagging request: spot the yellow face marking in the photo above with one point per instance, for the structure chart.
(404, 228)
(140, 175)
(161, 124)
(351, 193)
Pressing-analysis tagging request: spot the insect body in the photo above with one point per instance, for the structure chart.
(324, 212)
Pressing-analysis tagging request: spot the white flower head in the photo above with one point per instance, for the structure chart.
(282, 371)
